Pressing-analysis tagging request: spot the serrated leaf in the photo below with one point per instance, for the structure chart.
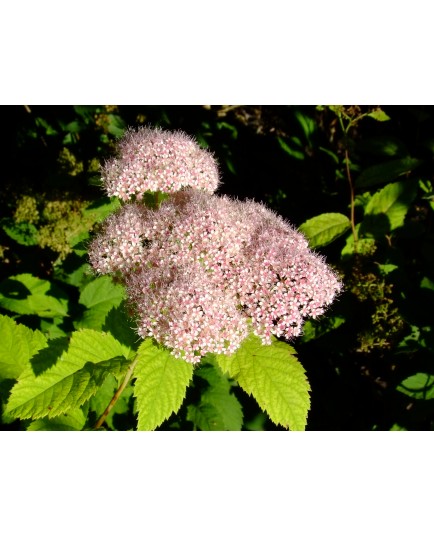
(218, 409)
(275, 378)
(419, 386)
(387, 171)
(47, 357)
(386, 210)
(73, 421)
(160, 386)
(99, 297)
(75, 377)
(24, 233)
(18, 344)
(323, 229)
(26, 294)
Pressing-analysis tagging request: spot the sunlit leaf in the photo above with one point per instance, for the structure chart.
(73, 421)
(17, 345)
(323, 229)
(23, 232)
(99, 297)
(28, 295)
(160, 386)
(378, 115)
(74, 378)
(387, 208)
(419, 386)
(274, 377)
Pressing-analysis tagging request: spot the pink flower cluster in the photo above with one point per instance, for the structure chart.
(153, 160)
(202, 271)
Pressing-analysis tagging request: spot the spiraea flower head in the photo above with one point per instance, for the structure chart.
(154, 160)
(186, 312)
(202, 271)
(119, 248)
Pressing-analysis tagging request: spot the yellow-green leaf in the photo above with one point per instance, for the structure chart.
(274, 377)
(323, 229)
(76, 376)
(160, 386)
(18, 344)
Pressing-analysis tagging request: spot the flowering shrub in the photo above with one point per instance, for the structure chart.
(185, 272)
(206, 277)
(200, 267)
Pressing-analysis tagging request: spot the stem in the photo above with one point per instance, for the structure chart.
(350, 181)
(116, 396)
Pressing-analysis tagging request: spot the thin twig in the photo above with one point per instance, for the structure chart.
(116, 396)
(350, 181)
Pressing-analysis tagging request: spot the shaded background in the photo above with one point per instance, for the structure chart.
(370, 359)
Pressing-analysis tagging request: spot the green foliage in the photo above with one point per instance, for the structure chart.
(369, 359)
(72, 421)
(274, 376)
(99, 297)
(387, 208)
(68, 384)
(161, 382)
(18, 345)
(24, 233)
(325, 228)
(218, 408)
(28, 295)
(419, 386)
(387, 171)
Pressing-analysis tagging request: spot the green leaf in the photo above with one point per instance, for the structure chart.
(161, 383)
(102, 398)
(23, 232)
(308, 124)
(27, 294)
(378, 115)
(122, 327)
(386, 210)
(75, 377)
(365, 246)
(294, 153)
(73, 421)
(313, 329)
(17, 345)
(323, 229)
(116, 125)
(99, 210)
(218, 409)
(47, 357)
(398, 428)
(99, 297)
(419, 386)
(386, 172)
(275, 378)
